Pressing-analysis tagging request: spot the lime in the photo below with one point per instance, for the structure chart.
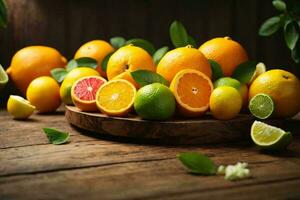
(19, 107)
(260, 69)
(155, 102)
(269, 137)
(261, 106)
(3, 78)
(227, 81)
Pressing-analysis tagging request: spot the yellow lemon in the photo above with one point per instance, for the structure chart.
(19, 107)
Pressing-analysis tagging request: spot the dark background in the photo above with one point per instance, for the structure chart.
(66, 24)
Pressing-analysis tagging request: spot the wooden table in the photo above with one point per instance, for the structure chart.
(94, 167)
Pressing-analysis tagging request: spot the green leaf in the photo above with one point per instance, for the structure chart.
(192, 41)
(216, 69)
(270, 26)
(144, 44)
(145, 77)
(3, 14)
(82, 62)
(105, 61)
(296, 53)
(245, 71)
(291, 34)
(56, 137)
(117, 42)
(178, 34)
(159, 54)
(279, 5)
(59, 74)
(197, 163)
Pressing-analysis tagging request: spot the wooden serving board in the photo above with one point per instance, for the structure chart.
(202, 130)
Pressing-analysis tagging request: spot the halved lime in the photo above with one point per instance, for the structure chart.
(269, 137)
(261, 106)
(260, 69)
(3, 77)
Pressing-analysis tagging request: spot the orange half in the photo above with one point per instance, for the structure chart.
(116, 97)
(192, 90)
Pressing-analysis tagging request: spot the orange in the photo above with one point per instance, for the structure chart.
(192, 90)
(43, 93)
(84, 91)
(32, 62)
(182, 58)
(96, 49)
(283, 87)
(128, 59)
(226, 52)
(116, 97)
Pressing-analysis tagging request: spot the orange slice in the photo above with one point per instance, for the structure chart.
(84, 91)
(116, 97)
(192, 90)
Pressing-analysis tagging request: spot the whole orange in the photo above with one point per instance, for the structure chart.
(226, 52)
(43, 93)
(182, 58)
(96, 49)
(283, 87)
(128, 59)
(32, 62)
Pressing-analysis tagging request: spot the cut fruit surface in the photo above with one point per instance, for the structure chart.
(19, 107)
(261, 106)
(116, 97)
(3, 77)
(192, 90)
(269, 137)
(260, 69)
(84, 91)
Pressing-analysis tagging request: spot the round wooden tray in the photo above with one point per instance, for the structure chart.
(200, 130)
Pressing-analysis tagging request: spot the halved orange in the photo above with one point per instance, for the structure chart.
(116, 97)
(83, 92)
(192, 90)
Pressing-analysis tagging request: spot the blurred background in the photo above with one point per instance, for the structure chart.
(67, 24)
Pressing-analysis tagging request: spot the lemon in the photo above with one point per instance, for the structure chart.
(19, 107)
(72, 77)
(225, 102)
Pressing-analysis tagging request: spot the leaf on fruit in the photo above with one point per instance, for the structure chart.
(105, 61)
(216, 69)
(145, 77)
(270, 26)
(245, 71)
(178, 34)
(82, 62)
(197, 163)
(144, 44)
(56, 137)
(59, 74)
(117, 42)
(159, 54)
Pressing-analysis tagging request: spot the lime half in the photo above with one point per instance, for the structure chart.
(3, 78)
(261, 106)
(269, 137)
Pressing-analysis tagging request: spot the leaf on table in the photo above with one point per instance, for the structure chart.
(56, 137)
(197, 163)
(145, 77)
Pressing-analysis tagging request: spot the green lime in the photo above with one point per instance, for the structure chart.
(3, 78)
(227, 81)
(155, 102)
(270, 137)
(261, 106)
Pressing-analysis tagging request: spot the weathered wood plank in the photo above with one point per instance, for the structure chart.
(164, 179)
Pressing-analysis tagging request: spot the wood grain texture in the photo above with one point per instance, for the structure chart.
(202, 130)
(92, 166)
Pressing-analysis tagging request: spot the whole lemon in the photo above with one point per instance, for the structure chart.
(72, 77)
(226, 52)
(96, 49)
(225, 102)
(43, 93)
(32, 62)
(283, 87)
(182, 58)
